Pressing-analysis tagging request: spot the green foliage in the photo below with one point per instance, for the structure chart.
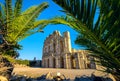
(11, 50)
(19, 24)
(102, 36)
(15, 24)
(17, 61)
(24, 62)
(9, 58)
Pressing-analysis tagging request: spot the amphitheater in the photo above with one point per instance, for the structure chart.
(58, 53)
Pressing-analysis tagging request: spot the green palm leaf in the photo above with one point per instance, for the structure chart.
(17, 25)
(34, 14)
(17, 8)
(102, 36)
(9, 14)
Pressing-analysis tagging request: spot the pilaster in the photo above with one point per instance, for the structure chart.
(67, 61)
(81, 62)
(57, 62)
(51, 62)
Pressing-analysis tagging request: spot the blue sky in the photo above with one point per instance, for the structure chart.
(32, 45)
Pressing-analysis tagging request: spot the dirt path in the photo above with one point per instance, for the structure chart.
(69, 73)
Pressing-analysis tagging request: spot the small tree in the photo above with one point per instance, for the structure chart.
(15, 25)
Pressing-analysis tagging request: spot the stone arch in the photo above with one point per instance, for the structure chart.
(92, 63)
(62, 62)
(73, 62)
(54, 63)
(48, 63)
(54, 47)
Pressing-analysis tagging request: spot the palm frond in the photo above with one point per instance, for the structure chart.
(9, 14)
(27, 21)
(2, 14)
(102, 36)
(35, 28)
(17, 8)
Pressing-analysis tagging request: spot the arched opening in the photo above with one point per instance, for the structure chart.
(62, 62)
(92, 63)
(54, 63)
(49, 48)
(84, 63)
(48, 63)
(61, 46)
(54, 46)
(73, 62)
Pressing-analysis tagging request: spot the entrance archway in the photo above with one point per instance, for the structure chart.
(48, 63)
(62, 62)
(73, 62)
(54, 63)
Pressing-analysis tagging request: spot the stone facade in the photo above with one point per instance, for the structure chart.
(57, 53)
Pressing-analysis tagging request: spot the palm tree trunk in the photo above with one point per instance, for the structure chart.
(6, 67)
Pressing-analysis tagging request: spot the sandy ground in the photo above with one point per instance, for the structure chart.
(69, 73)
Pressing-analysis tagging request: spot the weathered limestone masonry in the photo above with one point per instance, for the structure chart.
(57, 53)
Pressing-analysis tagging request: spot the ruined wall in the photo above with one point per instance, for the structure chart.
(57, 53)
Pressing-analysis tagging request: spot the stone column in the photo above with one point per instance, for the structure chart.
(47, 62)
(80, 62)
(43, 63)
(51, 62)
(67, 61)
(67, 41)
(59, 62)
(51, 46)
(58, 47)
